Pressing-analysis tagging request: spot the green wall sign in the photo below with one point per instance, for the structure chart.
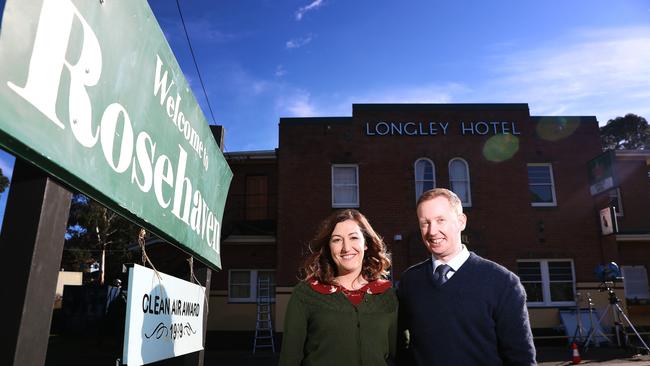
(601, 173)
(91, 93)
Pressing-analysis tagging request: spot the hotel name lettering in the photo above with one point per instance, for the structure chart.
(482, 128)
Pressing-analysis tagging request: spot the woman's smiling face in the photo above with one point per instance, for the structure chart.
(347, 246)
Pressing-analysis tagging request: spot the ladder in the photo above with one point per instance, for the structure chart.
(263, 327)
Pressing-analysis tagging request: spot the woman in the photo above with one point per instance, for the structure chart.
(344, 312)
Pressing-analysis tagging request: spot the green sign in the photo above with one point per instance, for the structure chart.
(601, 173)
(91, 93)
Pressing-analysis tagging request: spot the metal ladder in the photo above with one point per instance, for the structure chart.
(264, 327)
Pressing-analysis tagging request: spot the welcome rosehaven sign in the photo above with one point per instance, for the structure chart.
(91, 93)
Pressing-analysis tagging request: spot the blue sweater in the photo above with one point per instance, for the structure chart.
(478, 317)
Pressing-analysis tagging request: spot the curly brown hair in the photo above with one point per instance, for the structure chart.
(319, 263)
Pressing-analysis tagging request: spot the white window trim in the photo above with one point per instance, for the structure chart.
(550, 169)
(345, 204)
(469, 186)
(546, 283)
(415, 175)
(619, 200)
(252, 285)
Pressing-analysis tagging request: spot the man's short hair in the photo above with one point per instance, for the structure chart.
(453, 199)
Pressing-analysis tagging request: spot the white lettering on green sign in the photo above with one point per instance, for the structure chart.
(65, 83)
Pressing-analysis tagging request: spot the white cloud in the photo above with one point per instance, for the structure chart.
(341, 105)
(601, 72)
(205, 29)
(7, 162)
(312, 6)
(296, 103)
(432, 93)
(299, 42)
(280, 71)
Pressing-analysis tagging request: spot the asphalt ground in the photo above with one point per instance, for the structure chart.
(88, 351)
(546, 356)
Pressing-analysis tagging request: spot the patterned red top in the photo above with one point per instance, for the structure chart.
(355, 296)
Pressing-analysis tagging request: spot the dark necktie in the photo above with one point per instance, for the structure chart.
(440, 275)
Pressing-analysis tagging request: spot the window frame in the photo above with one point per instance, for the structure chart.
(345, 204)
(418, 181)
(469, 190)
(256, 206)
(546, 283)
(619, 200)
(552, 185)
(252, 288)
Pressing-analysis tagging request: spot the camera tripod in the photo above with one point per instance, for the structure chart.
(618, 316)
(595, 333)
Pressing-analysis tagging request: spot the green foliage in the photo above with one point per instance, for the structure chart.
(626, 133)
(93, 227)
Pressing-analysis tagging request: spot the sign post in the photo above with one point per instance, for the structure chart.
(32, 240)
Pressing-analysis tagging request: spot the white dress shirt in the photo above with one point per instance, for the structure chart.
(454, 263)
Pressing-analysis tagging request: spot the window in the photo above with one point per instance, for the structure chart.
(345, 185)
(459, 180)
(547, 281)
(242, 284)
(541, 185)
(635, 281)
(425, 176)
(257, 197)
(616, 201)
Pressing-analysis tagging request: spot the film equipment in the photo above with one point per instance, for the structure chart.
(608, 274)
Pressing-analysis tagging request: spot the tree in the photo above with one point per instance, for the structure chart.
(626, 133)
(94, 231)
(4, 182)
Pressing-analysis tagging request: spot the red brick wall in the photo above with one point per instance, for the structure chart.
(247, 255)
(501, 223)
(632, 174)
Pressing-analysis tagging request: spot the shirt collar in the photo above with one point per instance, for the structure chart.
(373, 287)
(455, 262)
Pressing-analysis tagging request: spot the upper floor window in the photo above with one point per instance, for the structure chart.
(425, 176)
(541, 184)
(257, 198)
(459, 180)
(244, 285)
(615, 200)
(548, 282)
(345, 185)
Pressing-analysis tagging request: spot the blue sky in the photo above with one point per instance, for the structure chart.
(7, 166)
(262, 60)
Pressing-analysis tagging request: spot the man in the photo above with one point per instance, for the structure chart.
(457, 308)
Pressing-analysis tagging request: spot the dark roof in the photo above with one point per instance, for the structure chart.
(441, 107)
(314, 120)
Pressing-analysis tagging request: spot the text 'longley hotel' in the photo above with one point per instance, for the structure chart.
(524, 181)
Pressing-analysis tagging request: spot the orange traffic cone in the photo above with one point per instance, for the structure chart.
(576, 355)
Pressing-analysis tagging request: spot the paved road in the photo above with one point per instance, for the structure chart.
(86, 351)
(547, 356)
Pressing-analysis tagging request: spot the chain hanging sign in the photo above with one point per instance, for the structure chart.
(164, 317)
(91, 93)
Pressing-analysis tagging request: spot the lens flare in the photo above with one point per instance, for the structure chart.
(557, 128)
(500, 147)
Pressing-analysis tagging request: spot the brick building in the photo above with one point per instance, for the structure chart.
(523, 181)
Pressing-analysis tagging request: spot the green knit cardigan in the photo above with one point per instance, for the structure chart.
(329, 330)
